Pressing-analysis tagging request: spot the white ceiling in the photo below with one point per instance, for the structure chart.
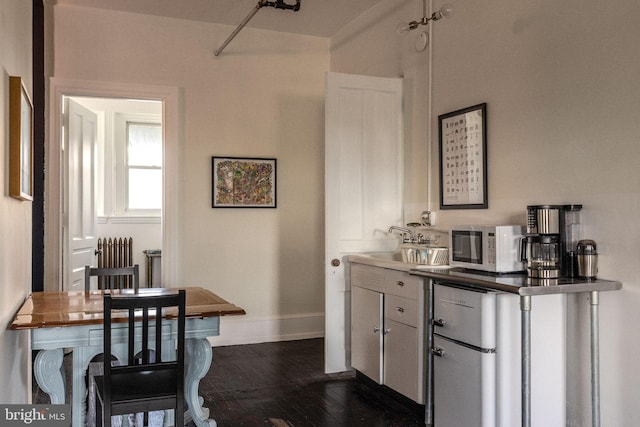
(321, 18)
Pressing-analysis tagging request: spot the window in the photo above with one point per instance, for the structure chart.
(143, 167)
(137, 168)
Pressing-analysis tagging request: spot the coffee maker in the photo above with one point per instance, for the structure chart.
(549, 247)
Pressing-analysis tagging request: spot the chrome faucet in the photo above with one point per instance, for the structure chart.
(407, 235)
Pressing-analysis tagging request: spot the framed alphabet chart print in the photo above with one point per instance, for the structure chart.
(463, 158)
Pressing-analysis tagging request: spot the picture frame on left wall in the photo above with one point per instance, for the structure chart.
(20, 140)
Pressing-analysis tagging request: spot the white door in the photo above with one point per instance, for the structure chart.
(363, 189)
(79, 208)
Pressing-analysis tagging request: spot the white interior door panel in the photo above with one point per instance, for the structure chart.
(363, 188)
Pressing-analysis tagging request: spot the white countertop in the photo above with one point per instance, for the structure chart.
(392, 261)
(512, 283)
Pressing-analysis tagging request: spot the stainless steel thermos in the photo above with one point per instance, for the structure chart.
(587, 256)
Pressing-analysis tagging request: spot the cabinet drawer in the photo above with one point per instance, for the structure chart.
(401, 283)
(365, 276)
(403, 310)
(467, 315)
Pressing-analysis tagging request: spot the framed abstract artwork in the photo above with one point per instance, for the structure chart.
(243, 182)
(463, 158)
(20, 141)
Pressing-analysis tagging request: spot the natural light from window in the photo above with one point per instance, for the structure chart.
(144, 166)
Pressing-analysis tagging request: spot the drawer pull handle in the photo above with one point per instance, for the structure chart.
(439, 322)
(400, 309)
(385, 331)
(376, 329)
(400, 283)
(437, 352)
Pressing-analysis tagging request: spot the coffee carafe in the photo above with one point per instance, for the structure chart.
(550, 243)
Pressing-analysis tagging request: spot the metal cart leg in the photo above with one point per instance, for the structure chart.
(595, 360)
(428, 416)
(525, 325)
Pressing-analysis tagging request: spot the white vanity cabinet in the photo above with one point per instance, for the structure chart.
(387, 336)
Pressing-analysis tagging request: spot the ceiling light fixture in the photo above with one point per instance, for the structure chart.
(445, 11)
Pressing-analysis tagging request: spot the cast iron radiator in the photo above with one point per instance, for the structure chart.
(116, 252)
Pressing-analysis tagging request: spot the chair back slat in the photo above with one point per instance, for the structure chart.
(113, 277)
(158, 338)
(145, 335)
(131, 337)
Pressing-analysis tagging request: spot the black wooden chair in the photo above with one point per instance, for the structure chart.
(143, 384)
(113, 277)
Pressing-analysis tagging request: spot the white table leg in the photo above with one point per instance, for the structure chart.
(198, 362)
(49, 373)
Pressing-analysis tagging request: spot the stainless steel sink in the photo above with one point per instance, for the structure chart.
(418, 254)
(387, 256)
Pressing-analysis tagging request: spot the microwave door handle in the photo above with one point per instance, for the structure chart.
(523, 249)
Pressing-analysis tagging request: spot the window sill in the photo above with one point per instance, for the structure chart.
(129, 219)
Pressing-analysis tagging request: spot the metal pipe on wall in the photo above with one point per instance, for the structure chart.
(244, 22)
(278, 4)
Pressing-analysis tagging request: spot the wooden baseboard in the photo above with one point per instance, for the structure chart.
(247, 330)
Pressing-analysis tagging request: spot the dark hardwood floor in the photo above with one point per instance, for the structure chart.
(283, 385)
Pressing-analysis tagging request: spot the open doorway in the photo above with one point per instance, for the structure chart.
(112, 174)
(88, 95)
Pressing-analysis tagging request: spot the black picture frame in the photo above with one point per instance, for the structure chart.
(243, 182)
(463, 158)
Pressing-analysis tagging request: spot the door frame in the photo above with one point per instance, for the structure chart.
(169, 96)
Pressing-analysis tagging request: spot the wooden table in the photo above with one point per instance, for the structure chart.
(59, 320)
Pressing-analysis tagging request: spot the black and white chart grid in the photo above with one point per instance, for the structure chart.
(463, 159)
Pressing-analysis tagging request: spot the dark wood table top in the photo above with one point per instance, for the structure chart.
(54, 309)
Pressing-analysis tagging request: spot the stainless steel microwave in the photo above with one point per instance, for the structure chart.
(494, 248)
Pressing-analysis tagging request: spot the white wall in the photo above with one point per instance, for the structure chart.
(15, 215)
(263, 97)
(561, 83)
